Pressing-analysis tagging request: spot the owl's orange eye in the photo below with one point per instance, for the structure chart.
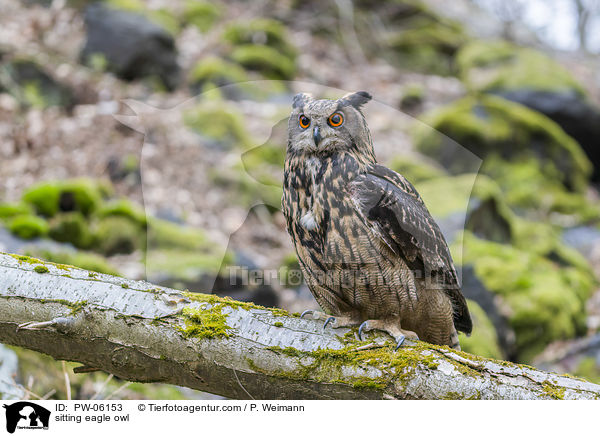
(336, 120)
(304, 121)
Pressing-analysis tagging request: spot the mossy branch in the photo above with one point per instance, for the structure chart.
(145, 333)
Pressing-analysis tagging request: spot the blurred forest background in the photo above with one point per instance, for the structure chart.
(146, 139)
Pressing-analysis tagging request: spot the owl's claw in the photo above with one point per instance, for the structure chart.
(360, 329)
(328, 320)
(306, 312)
(391, 328)
(399, 341)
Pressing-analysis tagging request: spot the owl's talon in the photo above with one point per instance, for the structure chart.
(399, 341)
(306, 312)
(360, 329)
(328, 320)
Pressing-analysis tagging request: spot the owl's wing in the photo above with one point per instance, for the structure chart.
(394, 210)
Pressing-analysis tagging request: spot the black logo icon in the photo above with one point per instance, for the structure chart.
(26, 415)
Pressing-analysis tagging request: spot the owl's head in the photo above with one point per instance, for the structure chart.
(321, 127)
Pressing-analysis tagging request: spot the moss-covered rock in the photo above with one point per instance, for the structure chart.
(49, 198)
(266, 60)
(493, 127)
(428, 44)
(528, 187)
(28, 226)
(124, 208)
(494, 66)
(262, 45)
(412, 97)
(201, 14)
(32, 85)
(162, 17)
(71, 227)
(589, 369)
(10, 210)
(219, 123)
(263, 31)
(213, 72)
(415, 169)
(546, 299)
(118, 235)
(484, 339)
(251, 185)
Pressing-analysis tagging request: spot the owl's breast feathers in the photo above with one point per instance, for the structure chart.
(336, 191)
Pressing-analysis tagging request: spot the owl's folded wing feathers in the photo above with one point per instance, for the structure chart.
(396, 213)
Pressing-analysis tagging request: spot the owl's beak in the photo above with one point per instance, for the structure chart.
(317, 136)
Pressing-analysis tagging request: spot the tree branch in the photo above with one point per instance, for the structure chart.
(142, 332)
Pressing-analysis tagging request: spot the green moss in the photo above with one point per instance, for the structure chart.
(216, 72)
(10, 210)
(484, 340)
(118, 235)
(446, 195)
(493, 127)
(40, 269)
(278, 324)
(588, 369)
(80, 259)
(165, 234)
(425, 41)
(501, 66)
(28, 226)
(412, 96)
(206, 322)
(48, 198)
(553, 391)
(415, 169)
(201, 14)
(71, 227)
(218, 122)
(535, 189)
(185, 253)
(124, 208)
(267, 32)
(234, 304)
(267, 60)
(161, 17)
(250, 182)
(546, 300)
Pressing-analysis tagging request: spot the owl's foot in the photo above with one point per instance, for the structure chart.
(336, 322)
(392, 327)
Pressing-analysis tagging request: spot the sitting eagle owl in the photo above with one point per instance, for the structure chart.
(369, 249)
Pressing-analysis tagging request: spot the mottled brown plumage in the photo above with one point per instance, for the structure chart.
(367, 245)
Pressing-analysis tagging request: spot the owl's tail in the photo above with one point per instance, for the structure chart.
(454, 340)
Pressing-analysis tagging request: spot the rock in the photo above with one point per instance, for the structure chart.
(533, 79)
(262, 45)
(492, 127)
(484, 339)
(499, 66)
(32, 85)
(580, 357)
(577, 117)
(133, 46)
(545, 299)
(474, 289)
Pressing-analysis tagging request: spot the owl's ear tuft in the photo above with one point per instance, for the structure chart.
(357, 99)
(300, 100)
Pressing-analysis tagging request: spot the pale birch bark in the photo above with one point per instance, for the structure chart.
(133, 330)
